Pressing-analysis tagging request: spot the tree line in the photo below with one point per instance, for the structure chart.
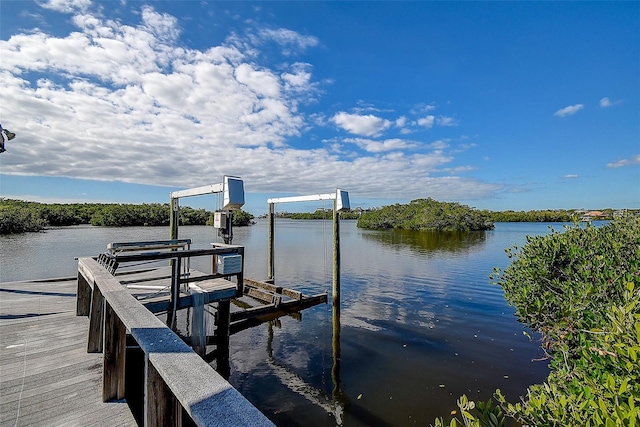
(18, 216)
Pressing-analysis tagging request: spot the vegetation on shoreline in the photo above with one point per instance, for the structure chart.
(427, 214)
(17, 216)
(581, 289)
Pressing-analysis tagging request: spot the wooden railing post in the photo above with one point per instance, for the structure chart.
(159, 403)
(96, 322)
(113, 367)
(83, 299)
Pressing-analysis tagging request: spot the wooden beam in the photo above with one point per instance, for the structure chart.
(274, 289)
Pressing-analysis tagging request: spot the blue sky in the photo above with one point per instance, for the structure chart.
(498, 105)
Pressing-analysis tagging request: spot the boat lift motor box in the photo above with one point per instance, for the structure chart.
(220, 220)
(233, 193)
(228, 264)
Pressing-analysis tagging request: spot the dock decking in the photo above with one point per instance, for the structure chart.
(47, 378)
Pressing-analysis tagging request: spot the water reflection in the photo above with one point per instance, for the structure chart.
(428, 241)
(334, 405)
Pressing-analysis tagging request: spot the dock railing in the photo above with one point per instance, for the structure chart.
(178, 384)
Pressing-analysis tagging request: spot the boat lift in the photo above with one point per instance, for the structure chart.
(340, 204)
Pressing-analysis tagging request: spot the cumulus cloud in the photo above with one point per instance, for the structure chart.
(358, 124)
(130, 102)
(633, 160)
(568, 111)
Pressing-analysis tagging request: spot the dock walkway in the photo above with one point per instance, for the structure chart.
(47, 378)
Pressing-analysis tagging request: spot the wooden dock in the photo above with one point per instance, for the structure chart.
(47, 378)
(90, 350)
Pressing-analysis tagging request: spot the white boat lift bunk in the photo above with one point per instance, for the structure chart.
(340, 204)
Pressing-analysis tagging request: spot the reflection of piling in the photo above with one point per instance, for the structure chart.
(335, 347)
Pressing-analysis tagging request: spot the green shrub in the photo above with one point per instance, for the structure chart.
(581, 289)
(426, 214)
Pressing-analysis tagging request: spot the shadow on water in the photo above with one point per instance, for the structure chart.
(426, 242)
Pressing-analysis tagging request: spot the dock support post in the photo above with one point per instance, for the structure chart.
(96, 322)
(270, 247)
(174, 218)
(83, 300)
(198, 324)
(159, 404)
(113, 366)
(174, 296)
(335, 291)
(222, 338)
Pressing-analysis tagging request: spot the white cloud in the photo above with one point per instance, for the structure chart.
(422, 108)
(291, 41)
(66, 6)
(634, 160)
(570, 176)
(427, 121)
(365, 125)
(373, 146)
(401, 122)
(129, 102)
(446, 121)
(568, 111)
(605, 102)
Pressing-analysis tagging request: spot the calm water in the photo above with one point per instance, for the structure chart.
(420, 322)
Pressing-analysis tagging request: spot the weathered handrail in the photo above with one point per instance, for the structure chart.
(175, 376)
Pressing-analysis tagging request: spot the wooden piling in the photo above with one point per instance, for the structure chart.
(222, 338)
(174, 218)
(271, 248)
(198, 322)
(335, 291)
